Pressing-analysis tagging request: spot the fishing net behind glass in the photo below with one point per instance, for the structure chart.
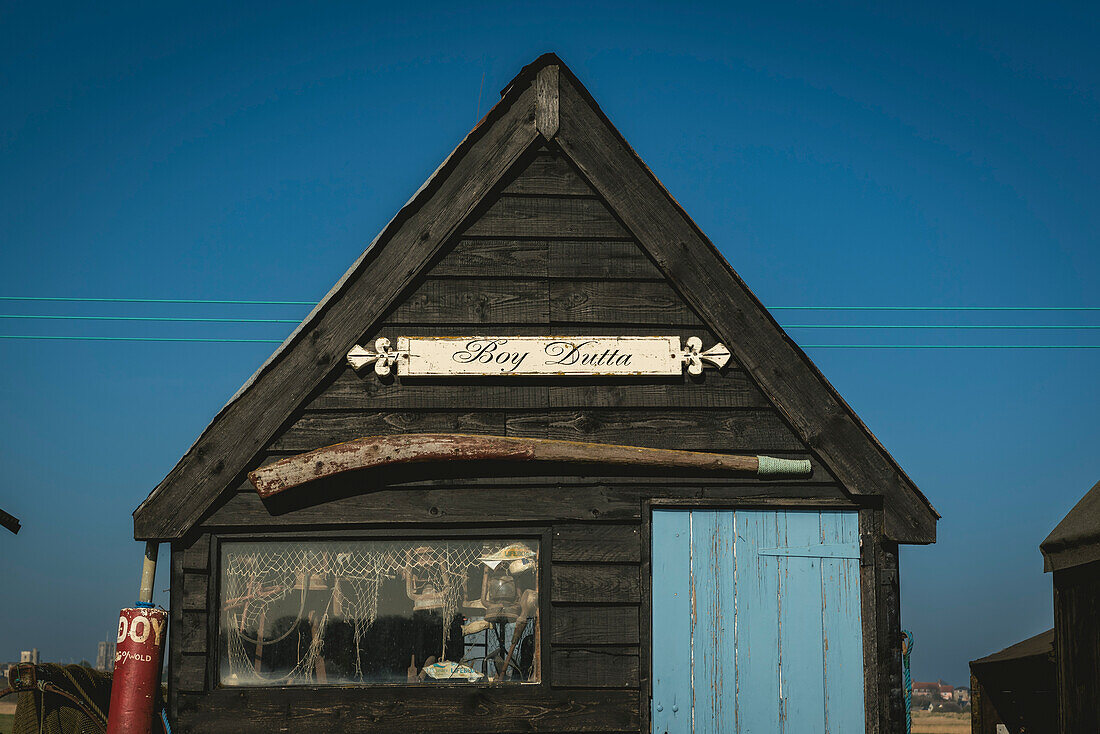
(271, 590)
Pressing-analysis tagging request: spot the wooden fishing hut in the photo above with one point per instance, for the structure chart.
(540, 461)
(1014, 689)
(1072, 554)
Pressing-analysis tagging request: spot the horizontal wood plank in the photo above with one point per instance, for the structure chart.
(600, 259)
(472, 301)
(712, 389)
(618, 584)
(597, 542)
(613, 302)
(393, 330)
(316, 429)
(694, 430)
(365, 391)
(481, 504)
(355, 391)
(465, 710)
(195, 587)
(479, 258)
(549, 174)
(196, 557)
(190, 672)
(594, 625)
(193, 630)
(595, 667)
(544, 217)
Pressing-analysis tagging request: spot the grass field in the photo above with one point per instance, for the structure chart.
(6, 723)
(926, 723)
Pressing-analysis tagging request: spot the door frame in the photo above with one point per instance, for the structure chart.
(878, 614)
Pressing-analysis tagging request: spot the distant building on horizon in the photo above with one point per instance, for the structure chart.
(29, 656)
(941, 691)
(105, 656)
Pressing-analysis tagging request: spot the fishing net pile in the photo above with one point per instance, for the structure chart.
(83, 711)
(273, 590)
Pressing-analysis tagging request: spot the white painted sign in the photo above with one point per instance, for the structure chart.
(468, 356)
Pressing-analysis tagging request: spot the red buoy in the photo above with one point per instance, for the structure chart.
(142, 632)
(141, 635)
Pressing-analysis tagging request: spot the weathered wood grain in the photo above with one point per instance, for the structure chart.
(505, 501)
(741, 431)
(473, 257)
(600, 259)
(316, 429)
(193, 628)
(407, 245)
(542, 217)
(595, 625)
(546, 101)
(549, 174)
(195, 587)
(496, 258)
(376, 710)
(1077, 646)
(718, 294)
(190, 672)
(365, 391)
(474, 301)
(595, 543)
(595, 583)
(731, 389)
(595, 667)
(196, 557)
(619, 302)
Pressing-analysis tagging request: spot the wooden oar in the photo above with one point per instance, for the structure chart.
(378, 451)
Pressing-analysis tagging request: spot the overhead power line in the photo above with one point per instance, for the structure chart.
(165, 319)
(804, 346)
(237, 302)
(189, 319)
(66, 299)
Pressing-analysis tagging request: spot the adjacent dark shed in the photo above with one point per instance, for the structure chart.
(489, 551)
(1072, 553)
(1015, 688)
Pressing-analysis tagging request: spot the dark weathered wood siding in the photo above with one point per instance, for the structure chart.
(543, 256)
(1077, 643)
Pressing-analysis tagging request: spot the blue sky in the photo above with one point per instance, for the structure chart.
(927, 153)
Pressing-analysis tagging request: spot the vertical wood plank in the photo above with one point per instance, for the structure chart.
(672, 618)
(713, 673)
(801, 653)
(757, 623)
(842, 633)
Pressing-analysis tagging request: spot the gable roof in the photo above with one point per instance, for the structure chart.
(544, 102)
(1039, 646)
(1075, 540)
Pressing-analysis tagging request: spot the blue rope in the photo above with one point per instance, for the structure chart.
(906, 650)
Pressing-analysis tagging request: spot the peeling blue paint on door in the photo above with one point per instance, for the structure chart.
(756, 622)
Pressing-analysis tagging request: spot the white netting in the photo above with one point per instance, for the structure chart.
(328, 581)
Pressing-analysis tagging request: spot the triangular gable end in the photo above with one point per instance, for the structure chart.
(543, 103)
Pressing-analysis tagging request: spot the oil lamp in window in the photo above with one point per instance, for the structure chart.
(418, 585)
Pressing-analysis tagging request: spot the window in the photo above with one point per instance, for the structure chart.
(367, 611)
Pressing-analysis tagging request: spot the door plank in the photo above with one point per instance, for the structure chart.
(843, 633)
(757, 579)
(801, 655)
(713, 673)
(672, 612)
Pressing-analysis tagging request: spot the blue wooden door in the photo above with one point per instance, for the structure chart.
(756, 622)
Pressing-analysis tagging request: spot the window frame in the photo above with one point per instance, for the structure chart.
(541, 533)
